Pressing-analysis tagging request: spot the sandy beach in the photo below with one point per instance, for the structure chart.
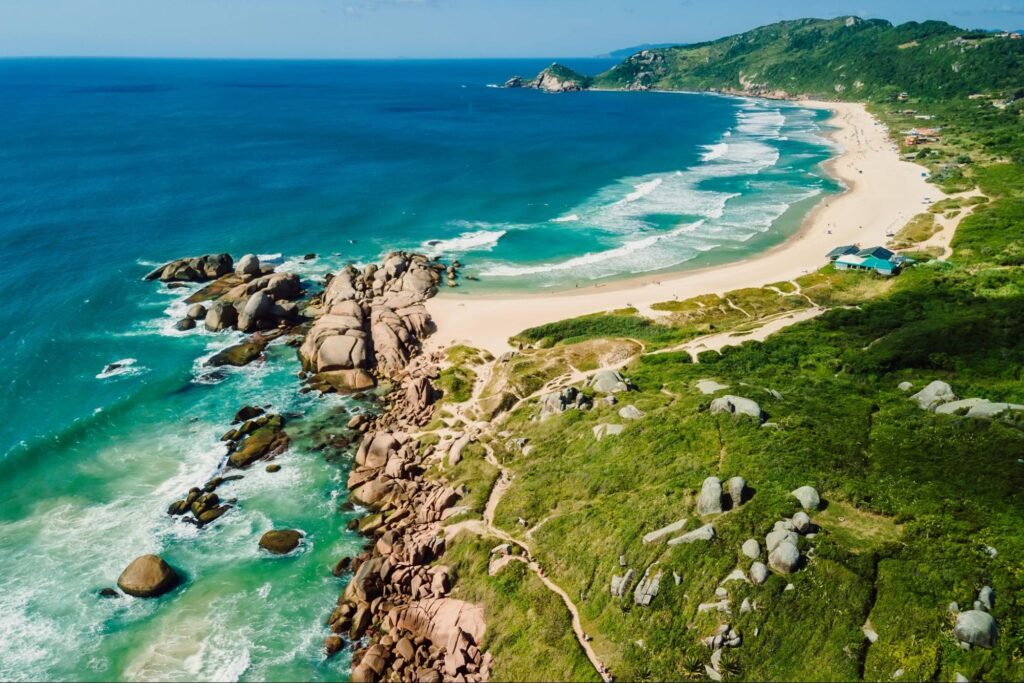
(882, 193)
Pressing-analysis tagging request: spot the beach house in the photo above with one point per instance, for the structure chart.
(878, 259)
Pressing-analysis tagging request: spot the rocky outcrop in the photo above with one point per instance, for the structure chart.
(557, 402)
(934, 395)
(737, 405)
(373, 319)
(608, 381)
(260, 438)
(553, 79)
(193, 269)
(398, 598)
(710, 500)
(281, 541)
(148, 576)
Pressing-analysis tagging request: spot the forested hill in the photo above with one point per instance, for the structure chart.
(847, 57)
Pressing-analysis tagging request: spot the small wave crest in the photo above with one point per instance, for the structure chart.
(641, 190)
(571, 218)
(476, 240)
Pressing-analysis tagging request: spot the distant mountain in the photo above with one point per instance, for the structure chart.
(846, 58)
(630, 51)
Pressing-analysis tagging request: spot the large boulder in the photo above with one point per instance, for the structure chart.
(608, 381)
(221, 316)
(737, 488)
(934, 395)
(737, 405)
(758, 573)
(248, 265)
(776, 538)
(785, 558)
(976, 627)
(710, 500)
(808, 497)
(148, 576)
(256, 311)
(751, 548)
(280, 541)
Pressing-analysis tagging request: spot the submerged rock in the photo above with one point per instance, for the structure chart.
(148, 576)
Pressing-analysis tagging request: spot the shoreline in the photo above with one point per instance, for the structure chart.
(881, 193)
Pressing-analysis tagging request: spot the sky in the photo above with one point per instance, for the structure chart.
(426, 28)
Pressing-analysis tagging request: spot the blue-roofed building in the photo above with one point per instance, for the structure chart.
(843, 251)
(878, 259)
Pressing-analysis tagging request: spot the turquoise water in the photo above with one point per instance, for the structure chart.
(110, 166)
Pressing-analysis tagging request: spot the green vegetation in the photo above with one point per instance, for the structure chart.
(918, 229)
(922, 509)
(625, 323)
(846, 57)
(915, 499)
(528, 629)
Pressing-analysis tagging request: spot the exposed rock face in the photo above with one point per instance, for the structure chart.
(148, 576)
(710, 386)
(665, 531)
(608, 381)
(737, 405)
(555, 79)
(280, 541)
(373, 318)
(605, 429)
(647, 589)
(808, 497)
(620, 584)
(195, 269)
(976, 627)
(557, 402)
(977, 408)
(704, 533)
(934, 395)
(630, 413)
(710, 500)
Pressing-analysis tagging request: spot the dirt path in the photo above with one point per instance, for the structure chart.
(487, 526)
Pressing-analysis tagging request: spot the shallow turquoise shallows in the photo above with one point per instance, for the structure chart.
(108, 167)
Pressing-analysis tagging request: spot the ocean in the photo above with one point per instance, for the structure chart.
(109, 167)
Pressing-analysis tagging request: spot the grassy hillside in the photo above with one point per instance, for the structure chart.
(848, 57)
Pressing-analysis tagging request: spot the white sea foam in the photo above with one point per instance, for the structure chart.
(643, 189)
(126, 367)
(571, 218)
(715, 151)
(477, 240)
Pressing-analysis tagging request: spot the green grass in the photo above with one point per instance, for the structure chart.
(918, 229)
(528, 628)
(917, 496)
(625, 323)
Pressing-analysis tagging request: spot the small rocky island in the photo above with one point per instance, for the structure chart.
(554, 79)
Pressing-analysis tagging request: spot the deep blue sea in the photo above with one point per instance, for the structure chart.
(108, 167)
